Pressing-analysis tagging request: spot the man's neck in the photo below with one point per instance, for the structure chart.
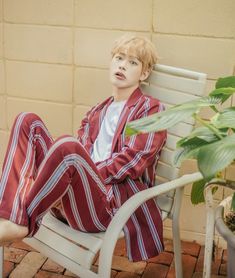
(122, 94)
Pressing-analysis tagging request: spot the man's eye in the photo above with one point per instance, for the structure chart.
(133, 63)
(119, 57)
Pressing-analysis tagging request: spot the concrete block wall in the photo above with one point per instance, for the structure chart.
(54, 58)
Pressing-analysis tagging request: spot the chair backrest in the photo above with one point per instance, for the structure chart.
(173, 86)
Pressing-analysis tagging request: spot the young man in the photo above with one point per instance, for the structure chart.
(90, 177)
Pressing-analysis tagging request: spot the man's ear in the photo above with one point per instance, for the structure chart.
(145, 75)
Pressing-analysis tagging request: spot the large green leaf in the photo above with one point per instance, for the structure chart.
(233, 202)
(203, 133)
(225, 82)
(225, 118)
(197, 192)
(185, 153)
(216, 156)
(158, 122)
(169, 118)
(223, 93)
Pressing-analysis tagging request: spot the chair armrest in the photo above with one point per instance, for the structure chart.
(127, 209)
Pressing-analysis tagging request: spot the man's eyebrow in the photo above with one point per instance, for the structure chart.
(129, 56)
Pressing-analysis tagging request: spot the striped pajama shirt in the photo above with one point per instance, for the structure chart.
(38, 173)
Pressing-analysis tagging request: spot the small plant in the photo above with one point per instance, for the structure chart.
(212, 144)
(230, 221)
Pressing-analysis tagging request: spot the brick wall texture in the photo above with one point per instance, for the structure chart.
(54, 58)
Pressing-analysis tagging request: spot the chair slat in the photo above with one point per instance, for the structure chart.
(167, 95)
(171, 141)
(68, 248)
(178, 83)
(167, 156)
(165, 203)
(166, 171)
(181, 129)
(86, 240)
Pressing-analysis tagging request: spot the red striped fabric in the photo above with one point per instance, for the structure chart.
(39, 174)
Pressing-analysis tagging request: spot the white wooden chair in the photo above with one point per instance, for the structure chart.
(76, 250)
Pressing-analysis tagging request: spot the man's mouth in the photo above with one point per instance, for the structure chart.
(120, 75)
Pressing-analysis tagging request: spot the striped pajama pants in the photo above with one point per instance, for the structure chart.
(38, 173)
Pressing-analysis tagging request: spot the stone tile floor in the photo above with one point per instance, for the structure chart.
(20, 260)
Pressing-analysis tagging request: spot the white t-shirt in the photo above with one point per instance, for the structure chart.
(103, 143)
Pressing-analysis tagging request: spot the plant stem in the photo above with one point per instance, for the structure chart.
(213, 129)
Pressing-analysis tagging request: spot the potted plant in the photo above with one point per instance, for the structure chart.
(212, 143)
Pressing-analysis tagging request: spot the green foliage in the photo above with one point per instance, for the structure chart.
(212, 144)
(197, 192)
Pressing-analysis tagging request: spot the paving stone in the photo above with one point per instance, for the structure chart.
(189, 263)
(47, 274)
(22, 245)
(155, 270)
(127, 275)
(14, 255)
(94, 268)
(225, 256)
(223, 269)
(191, 248)
(120, 263)
(215, 264)
(29, 266)
(70, 274)
(217, 261)
(8, 267)
(199, 275)
(120, 249)
(49, 265)
(168, 243)
(165, 258)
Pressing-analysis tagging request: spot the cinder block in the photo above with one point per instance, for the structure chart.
(230, 172)
(57, 117)
(189, 220)
(207, 18)
(1, 40)
(108, 14)
(56, 12)
(39, 81)
(38, 43)
(233, 100)
(33, 259)
(212, 56)
(79, 113)
(1, 11)
(4, 135)
(2, 78)
(91, 86)
(93, 47)
(3, 112)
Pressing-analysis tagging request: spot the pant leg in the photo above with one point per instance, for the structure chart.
(68, 174)
(28, 144)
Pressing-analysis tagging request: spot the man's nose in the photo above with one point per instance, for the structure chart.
(123, 64)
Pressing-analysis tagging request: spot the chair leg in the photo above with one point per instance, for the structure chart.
(1, 261)
(210, 226)
(176, 234)
(177, 249)
(209, 242)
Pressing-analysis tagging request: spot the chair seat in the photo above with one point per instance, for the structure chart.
(75, 245)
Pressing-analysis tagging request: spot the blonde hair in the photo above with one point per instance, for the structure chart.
(142, 48)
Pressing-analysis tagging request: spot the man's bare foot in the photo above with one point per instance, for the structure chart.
(10, 231)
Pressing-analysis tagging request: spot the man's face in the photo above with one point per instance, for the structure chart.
(125, 71)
